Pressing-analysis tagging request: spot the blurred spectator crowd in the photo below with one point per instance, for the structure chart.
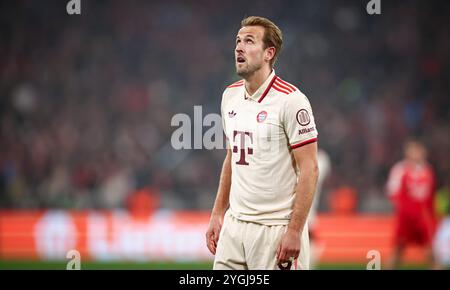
(86, 100)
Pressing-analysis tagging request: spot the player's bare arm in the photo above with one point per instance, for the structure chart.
(306, 160)
(220, 205)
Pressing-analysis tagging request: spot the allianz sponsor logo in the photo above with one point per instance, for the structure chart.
(306, 130)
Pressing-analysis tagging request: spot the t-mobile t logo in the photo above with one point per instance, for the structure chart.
(242, 146)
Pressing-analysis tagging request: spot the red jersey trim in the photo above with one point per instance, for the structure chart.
(281, 85)
(287, 84)
(236, 84)
(267, 89)
(303, 143)
(280, 89)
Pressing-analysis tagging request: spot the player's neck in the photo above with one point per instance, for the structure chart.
(253, 82)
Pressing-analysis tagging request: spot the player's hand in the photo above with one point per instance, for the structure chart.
(212, 235)
(289, 248)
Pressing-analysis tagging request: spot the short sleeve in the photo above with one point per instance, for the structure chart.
(299, 123)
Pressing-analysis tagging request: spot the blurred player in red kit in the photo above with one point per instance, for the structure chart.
(411, 188)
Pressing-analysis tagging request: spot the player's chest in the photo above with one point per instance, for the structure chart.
(419, 185)
(259, 120)
(418, 177)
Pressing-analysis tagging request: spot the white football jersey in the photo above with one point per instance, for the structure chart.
(262, 130)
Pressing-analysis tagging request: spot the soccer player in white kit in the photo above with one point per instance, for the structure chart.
(269, 175)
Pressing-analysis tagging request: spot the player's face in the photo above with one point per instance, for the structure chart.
(416, 152)
(249, 52)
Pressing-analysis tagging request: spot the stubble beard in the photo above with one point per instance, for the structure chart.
(247, 71)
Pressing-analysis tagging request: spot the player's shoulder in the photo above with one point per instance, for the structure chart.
(429, 169)
(283, 87)
(288, 91)
(232, 90)
(400, 167)
(234, 86)
(402, 164)
(289, 94)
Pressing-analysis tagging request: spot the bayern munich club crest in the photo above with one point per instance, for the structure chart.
(303, 117)
(261, 117)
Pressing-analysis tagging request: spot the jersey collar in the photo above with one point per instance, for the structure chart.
(262, 91)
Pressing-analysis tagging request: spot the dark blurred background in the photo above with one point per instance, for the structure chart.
(86, 100)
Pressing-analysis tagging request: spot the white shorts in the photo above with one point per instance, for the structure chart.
(250, 246)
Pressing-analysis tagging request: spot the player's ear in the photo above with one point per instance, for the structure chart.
(269, 53)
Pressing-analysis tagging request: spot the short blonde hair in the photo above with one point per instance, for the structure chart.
(272, 34)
